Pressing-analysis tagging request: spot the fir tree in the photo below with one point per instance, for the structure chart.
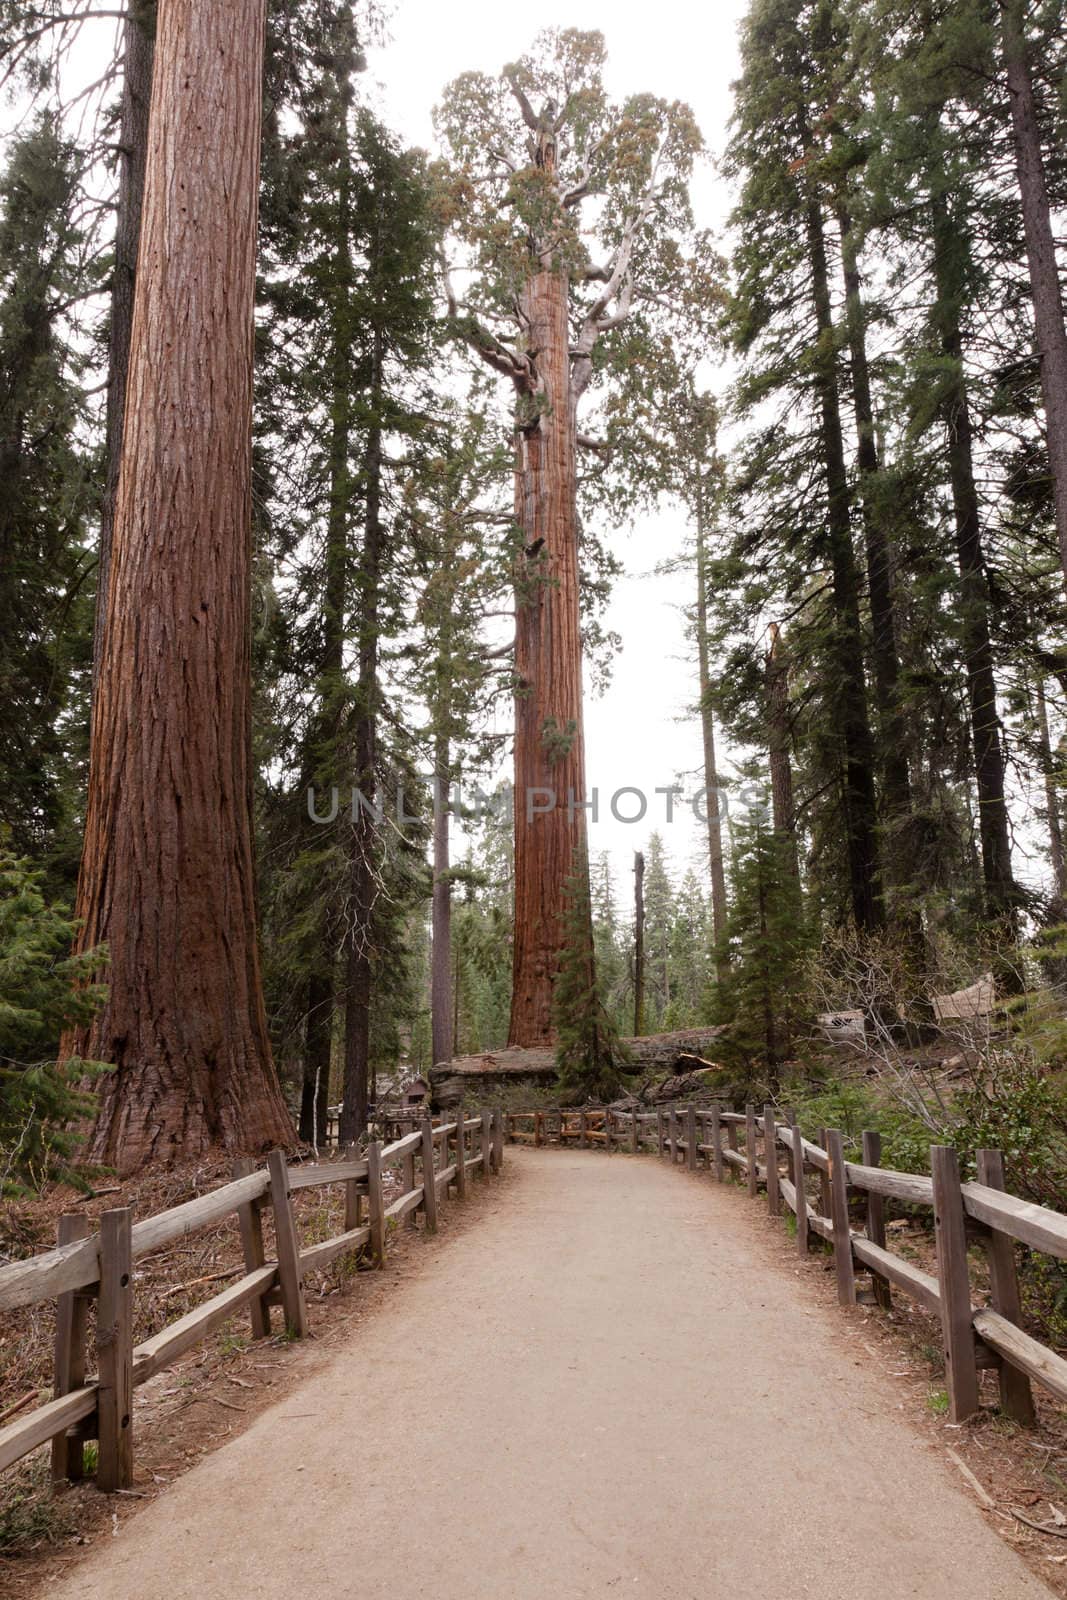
(588, 1052)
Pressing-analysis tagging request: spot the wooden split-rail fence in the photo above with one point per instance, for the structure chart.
(824, 1191)
(98, 1267)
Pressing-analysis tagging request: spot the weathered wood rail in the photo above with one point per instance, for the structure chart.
(823, 1191)
(433, 1158)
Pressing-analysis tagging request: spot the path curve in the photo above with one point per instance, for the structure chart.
(598, 1389)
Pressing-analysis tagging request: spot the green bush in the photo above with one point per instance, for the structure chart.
(43, 990)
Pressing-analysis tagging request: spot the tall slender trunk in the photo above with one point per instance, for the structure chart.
(550, 824)
(322, 1001)
(846, 667)
(441, 1026)
(363, 866)
(1052, 795)
(318, 1054)
(138, 47)
(711, 771)
(885, 658)
(779, 743)
(639, 944)
(1041, 254)
(949, 242)
(167, 876)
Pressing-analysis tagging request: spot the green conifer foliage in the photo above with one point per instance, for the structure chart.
(588, 1051)
(43, 991)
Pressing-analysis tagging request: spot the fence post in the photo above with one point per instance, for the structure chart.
(791, 1122)
(539, 1128)
(1016, 1395)
(376, 1202)
(872, 1157)
(607, 1129)
(672, 1132)
(429, 1175)
(250, 1222)
(634, 1132)
(750, 1150)
(353, 1194)
(731, 1140)
(114, 1352)
(801, 1190)
(498, 1140)
(846, 1277)
(954, 1282)
(716, 1141)
(691, 1136)
(770, 1156)
(583, 1129)
(487, 1144)
(408, 1181)
(72, 1311)
(826, 1202)
(661, 1131)
(461, 1152)
(289, 1275)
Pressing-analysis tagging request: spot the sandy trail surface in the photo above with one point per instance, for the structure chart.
(600, 1388)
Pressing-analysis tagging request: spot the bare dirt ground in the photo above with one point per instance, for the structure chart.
(611, 1384)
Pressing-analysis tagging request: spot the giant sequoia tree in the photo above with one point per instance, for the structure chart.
(167, 877)
(571, 209)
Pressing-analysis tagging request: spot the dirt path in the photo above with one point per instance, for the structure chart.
(597, 1390)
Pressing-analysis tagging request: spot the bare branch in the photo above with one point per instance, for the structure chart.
(529, 116)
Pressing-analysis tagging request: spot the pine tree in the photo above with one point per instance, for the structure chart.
(764, 1001)
(43, 1106)
(45, 490)
(588, 1052)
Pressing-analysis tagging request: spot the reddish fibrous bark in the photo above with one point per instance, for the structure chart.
(550, 820)
(137, 57)
(167, 875)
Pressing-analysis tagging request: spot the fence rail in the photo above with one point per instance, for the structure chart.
(83, 1268)
(772, 1156)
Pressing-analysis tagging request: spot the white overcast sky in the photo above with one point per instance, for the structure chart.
(642, 732)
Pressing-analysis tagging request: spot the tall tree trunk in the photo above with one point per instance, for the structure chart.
(846, 668)
(885, 658)
(441, 1025)
(363, 871)
(1000, 895)
(550, 824)
(167, 876)
(711, 771)
(779, 743)
(1041, 254)
(318, 1054)
(326, 750)
(138, 46)
(1052, 796)
(639, 944)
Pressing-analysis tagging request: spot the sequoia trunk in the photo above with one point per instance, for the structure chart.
(550, 822)
(167, 875)
(138, 48)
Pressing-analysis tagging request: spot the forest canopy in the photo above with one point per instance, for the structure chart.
(314, 491)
